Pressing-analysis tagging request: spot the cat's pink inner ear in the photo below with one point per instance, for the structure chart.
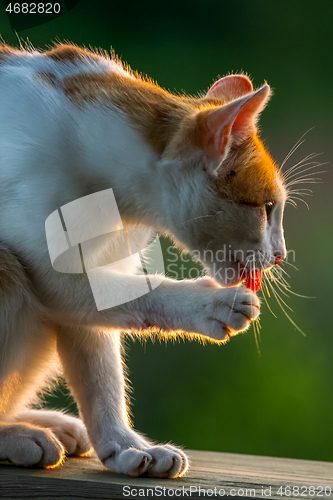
(230, 87)
(248, 115)
(217, 127)
(214, 128)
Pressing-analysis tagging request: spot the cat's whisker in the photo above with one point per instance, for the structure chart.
(299, 166)
(300, 295)
(264, 295)
(300, 172)
(308, 157)
(280, 268)
(307, 161)
(305, 177)
(291, 202)
(305, 180)
(300, 192)
(303, 173)
(277, 271)
(290, 264)
(303, 201)
(292, 151)
(302, 163)
(256, 330)
(286, 285)
(276, 281)
(276, 292)
(280, 278)
(295, 147)
(277, 297)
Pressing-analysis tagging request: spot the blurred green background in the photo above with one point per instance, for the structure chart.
(231, 398)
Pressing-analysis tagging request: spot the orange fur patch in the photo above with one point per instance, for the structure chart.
(69, 54)
(251, 176)
(47, 78)
(155, 112)
(6, 51)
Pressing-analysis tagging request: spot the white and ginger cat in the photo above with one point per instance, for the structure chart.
(73, 123)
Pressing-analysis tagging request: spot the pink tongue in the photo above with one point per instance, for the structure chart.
(253, 280)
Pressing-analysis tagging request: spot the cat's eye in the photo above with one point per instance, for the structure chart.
(269, 207)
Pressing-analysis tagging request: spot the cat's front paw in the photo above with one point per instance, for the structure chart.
(228, 312)
(162, 461)
(168, 461)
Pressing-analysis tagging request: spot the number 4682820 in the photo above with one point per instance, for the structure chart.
(304, 491)
(33, 8)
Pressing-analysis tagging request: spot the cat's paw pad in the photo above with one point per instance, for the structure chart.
(28, 446)
(167, 462)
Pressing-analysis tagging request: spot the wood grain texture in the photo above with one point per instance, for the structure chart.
(235, 474)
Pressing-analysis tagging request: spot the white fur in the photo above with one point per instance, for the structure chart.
(51, 153)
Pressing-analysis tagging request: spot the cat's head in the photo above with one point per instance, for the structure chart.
(228, 205)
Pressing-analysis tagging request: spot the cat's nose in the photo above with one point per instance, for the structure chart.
(279, 256)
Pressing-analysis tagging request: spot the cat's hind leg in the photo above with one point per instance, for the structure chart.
(27, 359)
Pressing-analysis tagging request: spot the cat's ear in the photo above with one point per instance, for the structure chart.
(218, 127)
(230, 87)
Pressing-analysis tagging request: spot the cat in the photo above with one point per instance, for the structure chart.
(73, 123)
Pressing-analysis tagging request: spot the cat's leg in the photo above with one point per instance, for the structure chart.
(28, 357)
(36, 437)
(24, 355)
(196, 306)
(92, 364)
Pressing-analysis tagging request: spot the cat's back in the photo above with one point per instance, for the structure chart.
(35, 113)
(62, 60)
(23, 71)
(38, 129)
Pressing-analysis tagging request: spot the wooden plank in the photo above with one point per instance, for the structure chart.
(212, 475)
